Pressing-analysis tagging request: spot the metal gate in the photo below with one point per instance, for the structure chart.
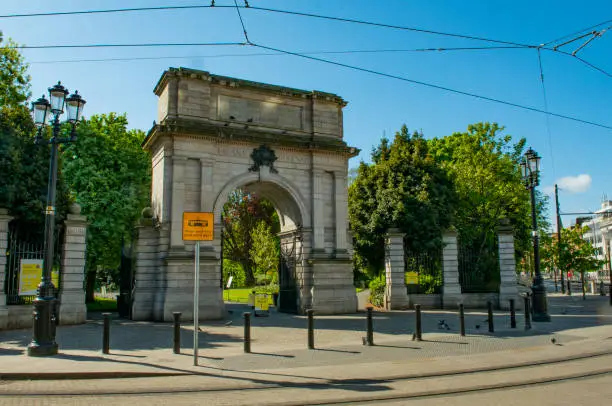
(290, 257)
(22, 245)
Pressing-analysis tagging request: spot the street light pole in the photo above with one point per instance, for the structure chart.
(530, 167)
(43, 336)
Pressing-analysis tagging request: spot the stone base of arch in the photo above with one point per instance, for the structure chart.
(333, 291)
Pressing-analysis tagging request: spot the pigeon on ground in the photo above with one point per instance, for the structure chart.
(442, 325)
(477, 326)
(229, 323)
(553, 340)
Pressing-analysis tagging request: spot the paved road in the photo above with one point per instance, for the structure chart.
(516, 381)
(590, 391)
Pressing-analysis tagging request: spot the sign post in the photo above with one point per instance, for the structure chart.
(197, 227)
(196, 302)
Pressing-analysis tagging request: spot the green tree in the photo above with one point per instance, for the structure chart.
(484, 166)
(264, 252)
(14, 79)
(109, 175)
(575, 254)
(403, 188)
(24, 166)
(241, 214)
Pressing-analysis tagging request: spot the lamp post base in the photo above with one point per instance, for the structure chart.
(43, 340)
(540, 304)
(42, 350)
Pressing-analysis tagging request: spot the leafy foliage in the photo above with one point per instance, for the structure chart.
(484, 166)
(109, 175)
(14, 79)
(23, 164)
(233, 268)
(403, 188)
(241, 215)
(377, 291)
(264, 252)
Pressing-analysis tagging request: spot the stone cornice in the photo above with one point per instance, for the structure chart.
(234, 82)
(204, 130)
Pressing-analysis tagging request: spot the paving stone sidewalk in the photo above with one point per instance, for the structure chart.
(279, 341)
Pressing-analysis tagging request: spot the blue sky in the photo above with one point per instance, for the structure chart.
(573, 154)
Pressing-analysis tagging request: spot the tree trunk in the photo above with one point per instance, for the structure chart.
(249, 276)
(90, 286)
(582, 280)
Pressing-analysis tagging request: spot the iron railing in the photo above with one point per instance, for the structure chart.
(21, 247)
(428, 269)
(479, 269)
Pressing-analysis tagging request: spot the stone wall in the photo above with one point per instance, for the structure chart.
(395, 289)
(71, 299)
(72, 309)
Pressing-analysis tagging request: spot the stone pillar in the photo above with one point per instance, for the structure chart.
(451, 290)
(178, 201)
(317, 216)
(72, 288)
(396, 296)
(5, 219)
(340, 210)
(207, 197)
(507, 267)
(146, 268)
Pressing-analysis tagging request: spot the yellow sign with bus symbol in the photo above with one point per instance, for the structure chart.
(198, 226)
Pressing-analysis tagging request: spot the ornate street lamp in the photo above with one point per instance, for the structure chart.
(43, 337)
(530, 169)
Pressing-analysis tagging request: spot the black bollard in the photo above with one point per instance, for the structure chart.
(512, 314)
(527, 314)
(106, 333)
(490, 318)
(247, 331)
(370, 328)
(177, 332)
(461, 321)
(310, 314)
(418, 333)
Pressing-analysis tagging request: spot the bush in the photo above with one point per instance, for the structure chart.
(233, 268)
(377, 291)
(267, 289)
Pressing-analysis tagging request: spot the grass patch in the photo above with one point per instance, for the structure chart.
(240, 295)
(102, 304)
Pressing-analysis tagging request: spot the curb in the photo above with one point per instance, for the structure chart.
(56, 376)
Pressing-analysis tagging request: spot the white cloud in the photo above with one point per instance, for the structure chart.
(575, 184)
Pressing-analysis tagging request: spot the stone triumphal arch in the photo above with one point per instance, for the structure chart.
(215, 134)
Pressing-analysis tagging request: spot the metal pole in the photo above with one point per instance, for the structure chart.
(512, 314)
(419, 333)
(527, 314)
(310, 314)
(196, 303)
(106, 333)
(610, 276)
(559, 238)
(490, 318)
(247, 331)
(177, 332)
(370, 328)
(461, 320)
(540, 303)
(43, 335)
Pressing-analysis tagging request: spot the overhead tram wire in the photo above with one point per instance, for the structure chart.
(576, 33)
(246, 36)
(270, 10)
(184, 44)
(434, 86)
(340, 52)
(545, 97)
